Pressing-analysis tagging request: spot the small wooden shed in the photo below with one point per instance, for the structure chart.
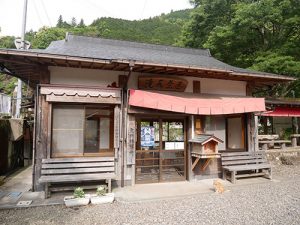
(205, 147)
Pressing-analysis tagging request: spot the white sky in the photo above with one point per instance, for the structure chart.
(46, 12)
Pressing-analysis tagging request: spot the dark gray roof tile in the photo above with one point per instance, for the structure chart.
(108, 49)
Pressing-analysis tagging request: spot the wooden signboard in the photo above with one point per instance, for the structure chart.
(160, 83)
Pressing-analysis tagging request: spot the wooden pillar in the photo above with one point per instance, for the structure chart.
(255, 136)
(189, 156)
(272, 124)
(117, 130)
(265, 123)
(41, 136)
(130, 148)
(249, 132)
(295, 131)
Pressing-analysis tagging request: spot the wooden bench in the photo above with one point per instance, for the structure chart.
(66, 170)
(282, 143)
(267, 141)
(249, 163)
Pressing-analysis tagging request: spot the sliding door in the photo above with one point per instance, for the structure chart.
(236, 133)
(160, 154)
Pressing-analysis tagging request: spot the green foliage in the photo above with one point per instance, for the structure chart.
(101, 190)
(262, 35)
(7, 42)
(78, 193)
(287, 133)
(7, 84)
(206, 16)
(60, 22)
(81, 23)
(73, 22)
(45, 36)
(279, 64)
(164, 29)
(157, 30)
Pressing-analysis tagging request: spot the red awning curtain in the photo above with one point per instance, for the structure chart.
(196, 104)
(283, 112)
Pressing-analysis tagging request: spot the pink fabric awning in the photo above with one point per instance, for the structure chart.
(283, 112)
(196, 104)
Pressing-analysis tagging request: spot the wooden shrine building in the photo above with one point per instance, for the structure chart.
(124, 111)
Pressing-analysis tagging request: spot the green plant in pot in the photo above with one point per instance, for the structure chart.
(102, 196)
(78, 193)
(79, 198)
(101, 190)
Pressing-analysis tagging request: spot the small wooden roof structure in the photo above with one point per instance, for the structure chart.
(205, 138)
(106, 54)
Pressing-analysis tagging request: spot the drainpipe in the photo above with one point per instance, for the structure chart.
(124, 110)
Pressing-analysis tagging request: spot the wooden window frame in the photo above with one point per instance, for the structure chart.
(103, 153)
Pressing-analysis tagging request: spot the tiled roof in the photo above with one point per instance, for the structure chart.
(204, 137)
(108, 49)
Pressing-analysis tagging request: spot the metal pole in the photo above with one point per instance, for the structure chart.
(24, 25)
(19, 87)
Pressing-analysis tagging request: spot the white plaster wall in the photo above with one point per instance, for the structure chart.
(208, 86)
(77, 76)
(217, 86)
(94, 77)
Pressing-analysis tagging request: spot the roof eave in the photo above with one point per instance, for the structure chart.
(189, 68)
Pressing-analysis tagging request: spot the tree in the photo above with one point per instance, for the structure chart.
(73, 22)
(207, 15)
(7, 42)
(60, 22)
(279, 64)
(263, 35)
(81, 23)
(45, 36)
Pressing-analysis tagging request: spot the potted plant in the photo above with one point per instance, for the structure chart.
(79, 198)
(101, 196)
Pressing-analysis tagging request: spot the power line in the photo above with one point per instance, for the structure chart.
(37, 12)
(145, 3)
(43, 5)
(101, 8)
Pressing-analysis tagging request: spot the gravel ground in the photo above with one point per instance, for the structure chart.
(276, 202)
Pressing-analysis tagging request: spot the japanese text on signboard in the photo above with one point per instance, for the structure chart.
(162, 83)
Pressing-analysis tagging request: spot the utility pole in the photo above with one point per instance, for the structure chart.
(22, 46)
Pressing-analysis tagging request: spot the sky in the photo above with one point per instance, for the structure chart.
(46, 12)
